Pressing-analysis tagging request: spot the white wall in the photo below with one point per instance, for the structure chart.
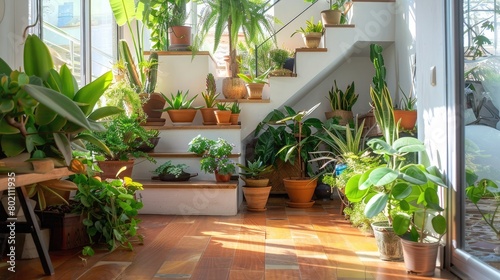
(11, 28)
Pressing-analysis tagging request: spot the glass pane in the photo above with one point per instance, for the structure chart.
(482, 131)
(103, 33)
(61, 33)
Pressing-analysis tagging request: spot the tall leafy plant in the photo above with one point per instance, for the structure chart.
(381, 97)
(234, 16)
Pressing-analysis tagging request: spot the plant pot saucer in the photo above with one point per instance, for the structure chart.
(155, 122)
(224, 123)
(256, 209)
(300, 204)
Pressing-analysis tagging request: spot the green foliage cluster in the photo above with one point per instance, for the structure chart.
(255, 169)
(215, 154)
(278, 57)
(310, 27)
(169, 168)
(110, 211)
(179, 101)
(340, 100)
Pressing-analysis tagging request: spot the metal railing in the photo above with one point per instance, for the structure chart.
(276, 32)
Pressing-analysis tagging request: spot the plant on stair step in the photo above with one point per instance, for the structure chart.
(215, 155)
(341, 103)
(337, 12)
(311, 33)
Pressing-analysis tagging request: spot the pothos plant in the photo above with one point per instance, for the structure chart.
(109, 209)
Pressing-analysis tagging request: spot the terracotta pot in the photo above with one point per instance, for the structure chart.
(256, 198)
(180, 38)
(420, 258)
(208, 116)
(331, 16)
(254, 90)
(300, 191)
(234, 119)
(223, 117)
(111, 167)
(256, 183)
(182, 116)
(345, 116)
(388, 243)
(152, 108)
(408, 118)
(312, 39)
(234, 88)
(222, 178)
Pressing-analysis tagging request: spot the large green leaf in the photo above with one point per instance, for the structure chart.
(401, 190)
(400, 224)
(103, 112)
(123, 10)
(69, 84)
(44, 115)
(91, 139)
(4, 67)
(432, 199)
(37, 57)
(382, 176)
(90, 93)
(64, 146)
(352, 192)
(376, 205)
(6, 128)
(414, 175)
(408, 145)
(58, 102)
(12, 144)
(439, 224)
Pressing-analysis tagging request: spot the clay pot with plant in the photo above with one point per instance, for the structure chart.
(180, 109)
(311, 33)
(279, 57)
(235, 113)
(341, 103)
(214, 156)
(210, 97)
(223, 114)
(256, 189)
(220, 15)
(255, 84)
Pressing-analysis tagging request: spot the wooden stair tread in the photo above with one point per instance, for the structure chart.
(191, 184)
(184, 155)
(311, 50)
(340, 25)
(245, 100)
(197, 127)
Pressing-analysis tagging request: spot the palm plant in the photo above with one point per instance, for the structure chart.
(248, 16)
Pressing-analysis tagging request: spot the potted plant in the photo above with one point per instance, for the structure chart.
(256, 189)
(172, 172)
(337, 13)
(220, 15)
(47, 99)
(395, 187)
(235, 113)
(210, 97)
(255, 84)
(223, 114)
(406, 116)
(215, 156)
(300, 189)
(179, 34)
(116, 228)
(341, 103)
(180, 109)
(312, 33)
(119, 144)
(279, 57)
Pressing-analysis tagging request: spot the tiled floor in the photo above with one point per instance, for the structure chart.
(281, 243)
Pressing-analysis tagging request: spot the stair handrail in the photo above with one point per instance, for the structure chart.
(274, 34)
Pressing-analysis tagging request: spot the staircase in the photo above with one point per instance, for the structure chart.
(372, 22)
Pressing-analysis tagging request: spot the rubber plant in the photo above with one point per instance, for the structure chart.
(43, 110)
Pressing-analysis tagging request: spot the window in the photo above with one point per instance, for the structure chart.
(85, 41)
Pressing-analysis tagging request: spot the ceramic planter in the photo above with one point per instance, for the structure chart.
(312, 39)
(300, 191)
(111, 167)
(234, 88)
(345, 116)
(256, 183)
(331, 16)
(420, 258)
(223, 117)
(388, 243)
(208, 116)
(256, 198)
(182, 116)
(254, 90)
(222, 177)
(408, 118)
(180, 38)
(234, 119)
(154, 106)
